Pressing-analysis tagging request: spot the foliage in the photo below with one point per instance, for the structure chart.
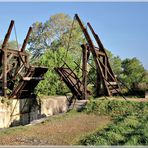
(130, 126)
(133, 72)
(55, 33)
(51, 85)
(115, 108)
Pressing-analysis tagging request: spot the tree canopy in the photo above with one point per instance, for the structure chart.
(133, 72)
(59, 31)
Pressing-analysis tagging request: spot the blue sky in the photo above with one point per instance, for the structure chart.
(122, 27)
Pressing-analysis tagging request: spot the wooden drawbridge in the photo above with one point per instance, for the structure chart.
(18, 78)
(106, 83)
(72, 81)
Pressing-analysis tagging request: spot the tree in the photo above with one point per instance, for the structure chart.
(55, 33)
(133, 72)
(52, 85)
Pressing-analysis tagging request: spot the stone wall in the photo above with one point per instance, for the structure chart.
(53, 105)
(21, 112)
(4, 115)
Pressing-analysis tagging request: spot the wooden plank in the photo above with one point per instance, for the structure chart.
(112, 83)
(9, 57)
(32, 78)
(72, 81)
(16, 52)
(101, 47)
(100, 53)
(22, 59)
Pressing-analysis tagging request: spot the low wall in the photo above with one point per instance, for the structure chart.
(53, 105)
(146, 94)
(20, 112)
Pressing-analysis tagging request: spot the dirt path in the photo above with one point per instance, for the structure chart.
(58, 130)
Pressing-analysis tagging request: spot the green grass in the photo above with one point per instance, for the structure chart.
(12, 130)
(130, 126)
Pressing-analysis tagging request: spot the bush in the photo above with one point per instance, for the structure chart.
(116, 108)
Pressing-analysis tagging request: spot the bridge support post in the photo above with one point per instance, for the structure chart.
(84, 71)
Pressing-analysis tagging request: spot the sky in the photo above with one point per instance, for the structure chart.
(121, 26)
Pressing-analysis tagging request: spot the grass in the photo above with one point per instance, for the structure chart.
(130, 126)
(64, 129)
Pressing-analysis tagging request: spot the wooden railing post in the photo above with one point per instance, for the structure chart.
(84, 71)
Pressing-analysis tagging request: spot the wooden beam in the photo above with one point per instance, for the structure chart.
(84, 71)
(19, 69)
(8, 34)
(32, 78)
(4, 79)
(4, 59)
(105, 63)
(15, 52)
(26, 40)
(101, 47)
(9, 57)
(99, 53)
(93, 51)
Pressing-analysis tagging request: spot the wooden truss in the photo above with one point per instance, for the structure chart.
(17, 75)
(106, 83)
